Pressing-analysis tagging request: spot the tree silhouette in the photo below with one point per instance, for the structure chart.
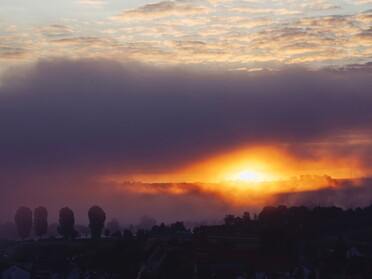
(177, 227)
(229, 219)
(83, 230)
(340, 249)
(66, 223)
(246, 217)
(97, 219)
(107, 232)
(40, 221)
(23, 219)
(128, 235)
(116, 234)
(113, 225)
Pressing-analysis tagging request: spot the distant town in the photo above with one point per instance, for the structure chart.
(279, 242)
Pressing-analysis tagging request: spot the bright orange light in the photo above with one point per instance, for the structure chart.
(249, 176)
(252, 164)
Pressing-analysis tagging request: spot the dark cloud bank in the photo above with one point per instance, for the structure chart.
(64, 121)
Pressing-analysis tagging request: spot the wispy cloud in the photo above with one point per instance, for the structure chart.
(78, 41)
(160, 10)
(364, 2)
(54, 30)
(319, 5)
(247, 69)
(251, 10)
(235, 34)
(92, 3)
(8, 52)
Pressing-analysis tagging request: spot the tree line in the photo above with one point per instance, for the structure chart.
(317, 220)
(66, 222)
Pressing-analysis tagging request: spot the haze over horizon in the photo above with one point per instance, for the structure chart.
(94, 93)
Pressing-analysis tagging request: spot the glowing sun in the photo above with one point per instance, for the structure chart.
(250, 176)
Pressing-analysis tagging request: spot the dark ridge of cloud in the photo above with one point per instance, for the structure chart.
(119, 200)
(10, 52)
(364, 68)
(321, 7)
(54, 30)
(102, 114)
(79, 40)
(160, 10)
(347, 194)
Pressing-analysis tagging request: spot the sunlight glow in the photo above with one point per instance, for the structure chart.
(249, 176)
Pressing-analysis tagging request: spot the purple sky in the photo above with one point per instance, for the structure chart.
(97, 92)
(67, 123)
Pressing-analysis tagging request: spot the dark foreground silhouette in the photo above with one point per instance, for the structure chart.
(279, 242)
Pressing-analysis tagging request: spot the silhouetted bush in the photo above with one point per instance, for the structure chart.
(40, 221)
(23, 219)
(66, 223)
(97, 218)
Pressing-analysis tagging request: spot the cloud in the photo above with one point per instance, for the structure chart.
(192, 21)
(66, 123)
(363, 18)
(337, 196)
(258, 37)
(54, 30)
(79, 40)
(192, 1)
(235, 39)
(251, 10)
(319, 5)
(364, 38)
(324, 7)
(212, 32)
(247, 70)
(364, 2)
(9, 52)
(92, 3)
(145, 119)
(323, 56)
(109, 31)
(11, 28)
(326, 21)
(156, 31)
(125, 201)
(161, 10)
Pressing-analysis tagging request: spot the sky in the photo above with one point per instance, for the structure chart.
(245, 35)
(226, 96)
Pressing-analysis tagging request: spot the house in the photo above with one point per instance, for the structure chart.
(15, 272)
(66, 271)
(75, 273)
(353, 252)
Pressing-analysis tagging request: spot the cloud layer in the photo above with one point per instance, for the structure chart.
(67, 122)
(232, 34)
(66, 110)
